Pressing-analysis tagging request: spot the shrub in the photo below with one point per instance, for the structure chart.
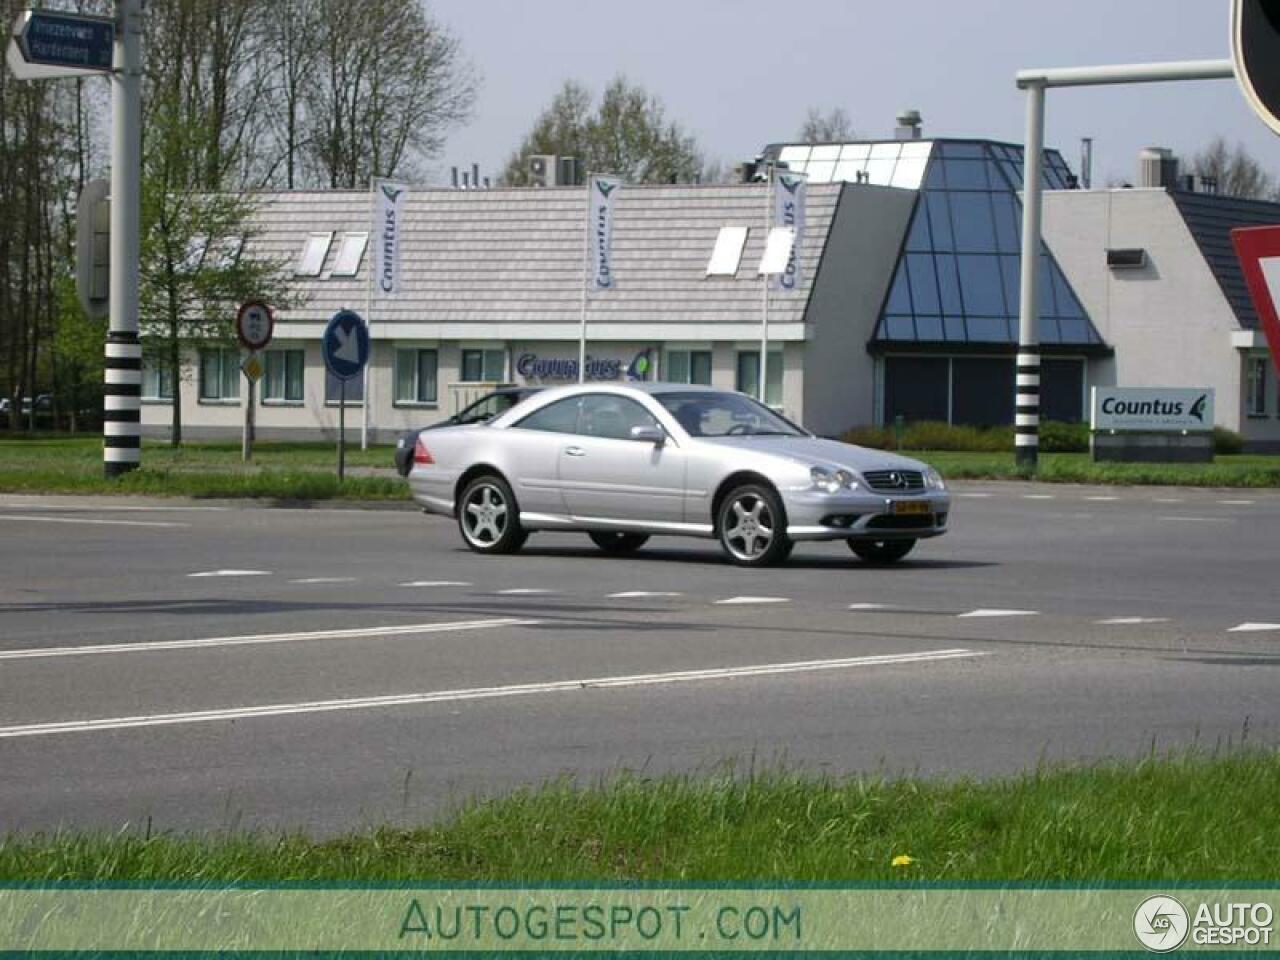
(934, 435)
(1227, 441)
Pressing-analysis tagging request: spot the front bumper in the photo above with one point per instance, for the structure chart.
(813, 515)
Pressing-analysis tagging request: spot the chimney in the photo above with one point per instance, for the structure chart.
(455, 177)
(908, 125)
(1157, 168)
(1086, 162)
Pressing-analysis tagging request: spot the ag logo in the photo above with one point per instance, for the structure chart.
(605, 187)
(391, 193)
(1161, 924)
(1197, 409)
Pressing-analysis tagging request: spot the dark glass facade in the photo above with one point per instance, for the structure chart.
(958, 278)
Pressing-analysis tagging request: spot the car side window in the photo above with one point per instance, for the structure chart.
(558, 417)
(612, 417)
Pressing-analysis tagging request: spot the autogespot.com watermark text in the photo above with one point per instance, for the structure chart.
(599, 922)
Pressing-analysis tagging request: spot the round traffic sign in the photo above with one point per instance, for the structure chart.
(254, 325)
(345, 345)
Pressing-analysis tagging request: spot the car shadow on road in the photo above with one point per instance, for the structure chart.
(714, 558)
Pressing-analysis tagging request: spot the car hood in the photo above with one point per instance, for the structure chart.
(815, 451)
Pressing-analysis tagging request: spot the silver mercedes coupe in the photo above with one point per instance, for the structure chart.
(625, 462)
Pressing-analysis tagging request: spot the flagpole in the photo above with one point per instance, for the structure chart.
(763, 373)
(586, 258)
(368, 316)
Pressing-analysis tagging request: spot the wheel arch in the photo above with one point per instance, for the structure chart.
(473, 471)
(742, 478)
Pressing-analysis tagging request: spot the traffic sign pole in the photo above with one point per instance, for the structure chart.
(345, 347)
(122, 417)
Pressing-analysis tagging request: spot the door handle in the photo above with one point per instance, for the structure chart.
(575, 451)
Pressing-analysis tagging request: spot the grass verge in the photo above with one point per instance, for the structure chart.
(1187, 817)
(279, 471)
(1243, 470)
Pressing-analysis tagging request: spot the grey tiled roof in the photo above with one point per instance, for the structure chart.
(1210, 218)
(517, 255)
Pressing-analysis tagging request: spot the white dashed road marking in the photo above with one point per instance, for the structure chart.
(743, 601)
(1130, 621)
(1236, 503)
(1254, 627)
(977, 614)
(637, 594)
(974, 496)
(478, 693)
(86, 520)
(1038, 496)
(867, 606)
(231, 573)
(325, 580)
(1201, 519)
(1102, 499)
(524, 592)
(1168, 500)
(436, 583)
(38, 653)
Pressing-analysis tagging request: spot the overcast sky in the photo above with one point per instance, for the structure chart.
(738, 74)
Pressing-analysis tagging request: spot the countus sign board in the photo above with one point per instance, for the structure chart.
(1152, 409)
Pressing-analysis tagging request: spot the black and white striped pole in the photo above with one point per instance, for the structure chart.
(122, 403)
(1027, 393)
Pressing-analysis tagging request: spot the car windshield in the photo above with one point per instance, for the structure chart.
(707, 414)
(489, 407)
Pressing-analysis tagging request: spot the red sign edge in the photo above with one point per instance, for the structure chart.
(271, 325)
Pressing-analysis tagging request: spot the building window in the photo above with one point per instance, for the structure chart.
(687, 366)
(1256, 380)
(335, 391)
(220, 375)
(749, 376)
(416, 376)
(483, 366)
(283, 380)
(157, 381)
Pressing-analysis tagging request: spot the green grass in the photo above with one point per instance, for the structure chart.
(278, 471)
(1187, 817)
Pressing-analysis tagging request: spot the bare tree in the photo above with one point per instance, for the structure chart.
(1237, 173)
(292, 42)
(389, 82)
(819, 127)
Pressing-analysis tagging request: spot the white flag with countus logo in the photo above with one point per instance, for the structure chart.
(388, 225)
(788, 211)
(604, 190)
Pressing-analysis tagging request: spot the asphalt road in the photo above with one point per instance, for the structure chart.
(212, 667)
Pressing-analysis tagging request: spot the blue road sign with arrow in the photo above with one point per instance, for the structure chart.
(346, 345)
(67, 41)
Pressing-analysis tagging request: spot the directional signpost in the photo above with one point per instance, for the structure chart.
(346, 350)
(254, 327)
(48, 44)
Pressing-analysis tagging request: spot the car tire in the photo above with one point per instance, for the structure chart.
(752, 527)
(881, 551)
(618, 543)
(489, 517)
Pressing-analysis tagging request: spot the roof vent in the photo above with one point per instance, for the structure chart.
(1157, 168)
(908, 125)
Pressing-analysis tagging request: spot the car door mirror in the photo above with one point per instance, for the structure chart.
(649, 434)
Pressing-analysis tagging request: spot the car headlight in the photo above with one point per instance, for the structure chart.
(933, 480)
(832, 481)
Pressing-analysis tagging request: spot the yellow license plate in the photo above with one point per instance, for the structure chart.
(913, 508)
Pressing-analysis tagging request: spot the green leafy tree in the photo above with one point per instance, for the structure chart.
(197, 263)
(627, 134)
